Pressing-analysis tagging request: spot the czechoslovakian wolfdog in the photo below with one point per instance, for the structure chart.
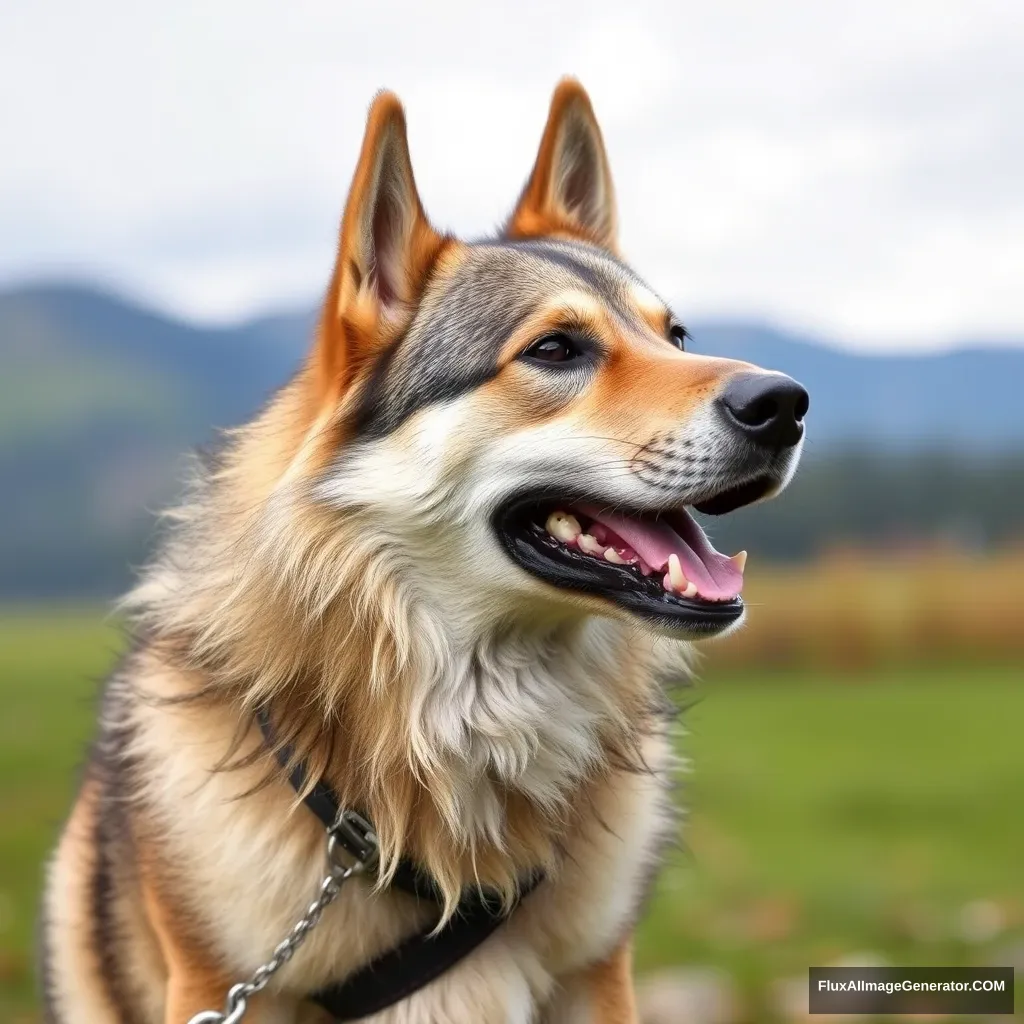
(439, 561)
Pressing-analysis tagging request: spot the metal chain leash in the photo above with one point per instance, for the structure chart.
(350, 834)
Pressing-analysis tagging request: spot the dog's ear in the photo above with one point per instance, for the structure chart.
(386, 249)
(570, 190)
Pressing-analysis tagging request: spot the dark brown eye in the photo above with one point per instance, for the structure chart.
(555, 348)
(678, 333)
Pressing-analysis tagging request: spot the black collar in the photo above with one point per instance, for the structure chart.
(418, 960)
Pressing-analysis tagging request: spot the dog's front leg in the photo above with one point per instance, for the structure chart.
(191, 993)
(194, 984)
(601, 994)
(187, 996)
(193, 987)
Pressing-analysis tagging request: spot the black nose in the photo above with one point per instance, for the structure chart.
(768, 407)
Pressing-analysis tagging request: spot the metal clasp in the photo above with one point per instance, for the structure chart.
(352, 844)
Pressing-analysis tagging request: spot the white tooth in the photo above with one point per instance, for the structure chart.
(563, 527)
(676, 575)
(739, 560)
(691, 590)
(611, 555)
(591, 545)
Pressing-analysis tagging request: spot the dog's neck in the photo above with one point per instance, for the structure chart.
(471, 747)
(475, 758)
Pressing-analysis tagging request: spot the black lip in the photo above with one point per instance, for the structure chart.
(520, 528)
(736, 497)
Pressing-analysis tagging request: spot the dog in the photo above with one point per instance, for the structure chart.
(451, 563)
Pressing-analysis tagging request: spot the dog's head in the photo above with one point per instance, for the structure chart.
(517, 421)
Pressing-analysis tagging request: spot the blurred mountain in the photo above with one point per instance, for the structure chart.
(96, 356)
(100, 397)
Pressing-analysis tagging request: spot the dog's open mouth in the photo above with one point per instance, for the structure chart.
(656, 564)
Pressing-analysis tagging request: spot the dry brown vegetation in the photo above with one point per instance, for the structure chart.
(853, 610)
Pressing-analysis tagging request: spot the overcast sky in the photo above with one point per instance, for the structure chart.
(855, 169)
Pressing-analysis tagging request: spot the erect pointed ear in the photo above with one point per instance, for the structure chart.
(386, 249)
(570, 189)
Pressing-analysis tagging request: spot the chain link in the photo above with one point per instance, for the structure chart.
(240, 994)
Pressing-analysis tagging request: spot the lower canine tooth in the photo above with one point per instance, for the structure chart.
(563, 526)
(611, 555)
(676, 575)
(591, 545)
(691, 590)
(739, 560)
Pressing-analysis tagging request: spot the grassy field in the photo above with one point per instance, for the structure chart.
(866, 812)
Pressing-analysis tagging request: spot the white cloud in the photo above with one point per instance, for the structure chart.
(849, 168)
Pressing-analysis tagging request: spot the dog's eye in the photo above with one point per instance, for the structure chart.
(554, 348)
(678, 333)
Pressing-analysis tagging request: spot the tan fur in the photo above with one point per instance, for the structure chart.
(611, 984)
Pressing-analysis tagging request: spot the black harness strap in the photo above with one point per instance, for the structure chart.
(417, 960)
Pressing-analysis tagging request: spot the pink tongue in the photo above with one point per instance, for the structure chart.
(716, 577)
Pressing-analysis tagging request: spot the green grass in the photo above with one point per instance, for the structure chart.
(833, 817)
(48, 671)
(827, 817)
